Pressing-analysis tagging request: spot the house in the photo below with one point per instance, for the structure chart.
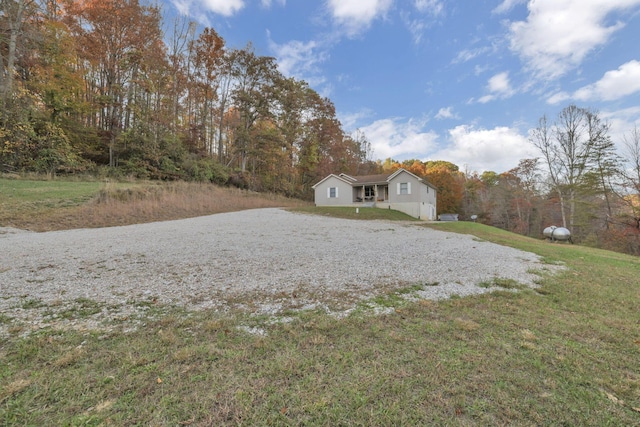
(401, 190)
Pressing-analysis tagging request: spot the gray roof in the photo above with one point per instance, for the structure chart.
(372, 179)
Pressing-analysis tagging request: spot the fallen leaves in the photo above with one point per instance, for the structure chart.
(619, 401)
(613, 398)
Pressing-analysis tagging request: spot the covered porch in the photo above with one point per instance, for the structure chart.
(370, 193)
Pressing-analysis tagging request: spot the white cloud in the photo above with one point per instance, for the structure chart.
(268, 3)
(621, 123)
(558, 34)
(506, 6)
(480, 69)
(432, 7)
(469, 54)
(223, 7)
(613, 85)
(417, 26)
(391, 138)
(446, 113)
(298, 59)
(499, 149)
(356, 16)
(182, 6)
(499, 86)
(194, 8)
(558, 97)
(500, 83)
(351, 121)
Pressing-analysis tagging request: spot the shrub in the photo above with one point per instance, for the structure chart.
(206, 170)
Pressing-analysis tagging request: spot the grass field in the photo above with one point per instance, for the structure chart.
(60, 205)
(365, 213)
(566, 354)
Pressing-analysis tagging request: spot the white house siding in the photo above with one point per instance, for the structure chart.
(428, 204)
(420, 203)
(413, 184)
(345, 192)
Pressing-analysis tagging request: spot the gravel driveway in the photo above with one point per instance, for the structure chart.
(263, 260)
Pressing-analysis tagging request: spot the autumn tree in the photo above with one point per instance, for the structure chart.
(474, 197)
(415, 166)
(114, 37)
(389, 165)
(322, 150)
(208, 51)
(449, 184)
(253, 81)
(96, 82)
(527, 198)
(291, 110)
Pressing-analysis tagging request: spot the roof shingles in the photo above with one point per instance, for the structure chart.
(372, 179)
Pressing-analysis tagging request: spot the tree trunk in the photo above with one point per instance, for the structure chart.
(15, 25)
(562, 209)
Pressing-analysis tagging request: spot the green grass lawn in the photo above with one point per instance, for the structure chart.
(366, 213)
(30, 194)
(22, 198)
(566, 354)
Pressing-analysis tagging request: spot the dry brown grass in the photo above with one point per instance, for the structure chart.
(117, 204)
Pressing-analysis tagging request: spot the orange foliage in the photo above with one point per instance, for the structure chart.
(450, 188)
(417, 168)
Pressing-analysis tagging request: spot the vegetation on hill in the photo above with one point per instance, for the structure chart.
(97, 87)
(60, 205)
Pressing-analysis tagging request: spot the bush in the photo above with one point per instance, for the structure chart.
(206, 170)
(52, 152)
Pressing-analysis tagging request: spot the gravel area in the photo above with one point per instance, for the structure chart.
(262, 261)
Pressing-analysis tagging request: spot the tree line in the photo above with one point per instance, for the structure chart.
(98, 85)
(580, 181)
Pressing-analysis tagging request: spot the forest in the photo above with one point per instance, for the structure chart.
(109, 88)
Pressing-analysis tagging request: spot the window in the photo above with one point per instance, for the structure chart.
(404, 188)
(332, 192)
(369, 192)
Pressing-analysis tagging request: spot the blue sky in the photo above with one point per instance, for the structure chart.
(462, 81)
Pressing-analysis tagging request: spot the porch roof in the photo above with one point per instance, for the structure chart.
(371, 179)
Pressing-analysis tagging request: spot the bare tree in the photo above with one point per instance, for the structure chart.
(632, 173)
(567, 149)
(542, 138)
(180, 37)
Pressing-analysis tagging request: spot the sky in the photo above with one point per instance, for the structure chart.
(461, 81)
